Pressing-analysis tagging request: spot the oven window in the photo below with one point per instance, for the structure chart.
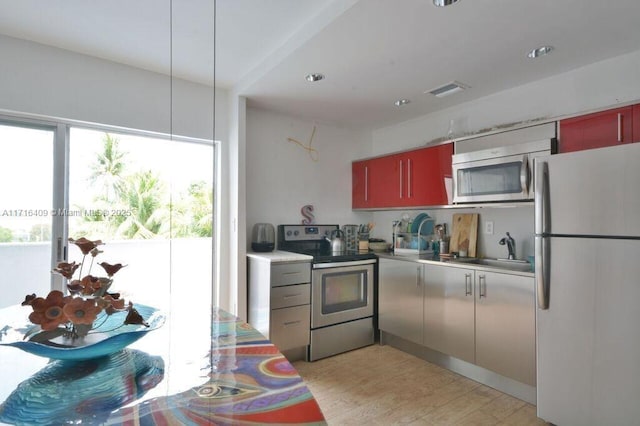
(493, 179)
(342, 291)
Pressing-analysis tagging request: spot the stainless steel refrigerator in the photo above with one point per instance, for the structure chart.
(587, 267)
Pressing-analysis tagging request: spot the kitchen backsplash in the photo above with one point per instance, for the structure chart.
(518, 221)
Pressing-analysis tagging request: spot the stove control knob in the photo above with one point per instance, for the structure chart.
(296, 233)
(288, 233)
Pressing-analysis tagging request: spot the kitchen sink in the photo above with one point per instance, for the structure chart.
(513, 265)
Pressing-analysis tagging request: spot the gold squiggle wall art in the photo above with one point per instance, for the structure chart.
(313, 153)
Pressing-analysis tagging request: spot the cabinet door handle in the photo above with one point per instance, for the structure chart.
(409, 178)
(467, 284)
(366, 183)
(482, 286)
(619, 127)
(291, 322)
(418, 276)
(401, 178)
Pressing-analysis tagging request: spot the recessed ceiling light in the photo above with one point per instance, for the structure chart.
(443, 3)
(448, 89)
(316, 76)
(401, 102)
(540, 51)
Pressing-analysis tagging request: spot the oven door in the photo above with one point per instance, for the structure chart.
(496, 179)
(341, 292)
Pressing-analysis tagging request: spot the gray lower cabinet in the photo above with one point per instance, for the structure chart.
(400, 295)
(279, 303)
(482, 317)
(505, 325)
(449, 315)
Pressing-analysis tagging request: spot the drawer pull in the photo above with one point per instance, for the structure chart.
(482, 286)
(467, 285)
(289, 296)
(291, 273)
(292, 322)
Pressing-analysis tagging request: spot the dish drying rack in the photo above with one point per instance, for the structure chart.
(422, 244)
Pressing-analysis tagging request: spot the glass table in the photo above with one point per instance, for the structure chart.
(188, 372)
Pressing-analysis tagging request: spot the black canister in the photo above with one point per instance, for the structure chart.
(263, 237)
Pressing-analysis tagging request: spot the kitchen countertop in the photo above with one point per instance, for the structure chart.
(277, 256)
(454, 264)
(222, 373)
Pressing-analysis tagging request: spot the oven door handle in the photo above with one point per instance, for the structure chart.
(341, 264)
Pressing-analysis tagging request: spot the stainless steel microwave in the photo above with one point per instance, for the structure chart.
(497, 174)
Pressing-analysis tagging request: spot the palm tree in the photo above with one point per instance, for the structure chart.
(192, 212)
(108, 170)
(143, 196)
(201, 206)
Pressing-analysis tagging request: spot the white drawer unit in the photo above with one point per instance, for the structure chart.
(290, 273)
(290, 295)
(279, 296)
(290, 327)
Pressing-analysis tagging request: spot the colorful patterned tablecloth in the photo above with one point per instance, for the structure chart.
(243, 380)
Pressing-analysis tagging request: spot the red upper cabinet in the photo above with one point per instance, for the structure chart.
(360, 185)
(425, 171)
(374, 182)
(413, 178)
(385, 180)
(636, 123)
(597, 130)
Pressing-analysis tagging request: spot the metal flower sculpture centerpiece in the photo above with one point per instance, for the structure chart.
(89, 321)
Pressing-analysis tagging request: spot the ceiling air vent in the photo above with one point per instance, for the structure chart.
(448, 89)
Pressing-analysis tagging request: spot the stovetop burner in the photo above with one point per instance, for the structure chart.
(325, 256)
(310, 240)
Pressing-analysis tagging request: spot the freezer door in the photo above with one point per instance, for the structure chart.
(588, 350)
(593, 192)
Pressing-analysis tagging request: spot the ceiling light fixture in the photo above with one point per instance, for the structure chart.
(448, 89)
(443, 3)
(540, 51)
(401, 102)
(316, 76)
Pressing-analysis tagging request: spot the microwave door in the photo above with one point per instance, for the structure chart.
(501, 179)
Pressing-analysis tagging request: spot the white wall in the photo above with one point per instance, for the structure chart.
(234, 297)
(601, 85)
(518, 221)
(43, 80)
(281, 177)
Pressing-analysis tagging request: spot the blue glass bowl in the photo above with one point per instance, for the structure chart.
(105, 339)
(82, 392)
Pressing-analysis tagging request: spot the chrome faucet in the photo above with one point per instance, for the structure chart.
(511, 245)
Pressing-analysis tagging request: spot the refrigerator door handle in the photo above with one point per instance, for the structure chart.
(543, 259)
(542, 241)
(541, 197)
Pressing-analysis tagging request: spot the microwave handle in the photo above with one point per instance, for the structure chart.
(524, 174)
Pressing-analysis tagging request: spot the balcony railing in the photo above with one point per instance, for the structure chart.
(159, 273)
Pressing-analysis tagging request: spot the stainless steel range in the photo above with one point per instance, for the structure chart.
(342, 290)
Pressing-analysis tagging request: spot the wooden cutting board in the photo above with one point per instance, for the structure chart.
(464, 233)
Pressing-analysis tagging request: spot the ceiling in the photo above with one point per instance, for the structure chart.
(372, 52)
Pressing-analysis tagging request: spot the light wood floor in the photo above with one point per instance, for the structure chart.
(380, 385)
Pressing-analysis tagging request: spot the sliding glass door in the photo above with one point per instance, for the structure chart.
(149, 199)
(26, 194)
